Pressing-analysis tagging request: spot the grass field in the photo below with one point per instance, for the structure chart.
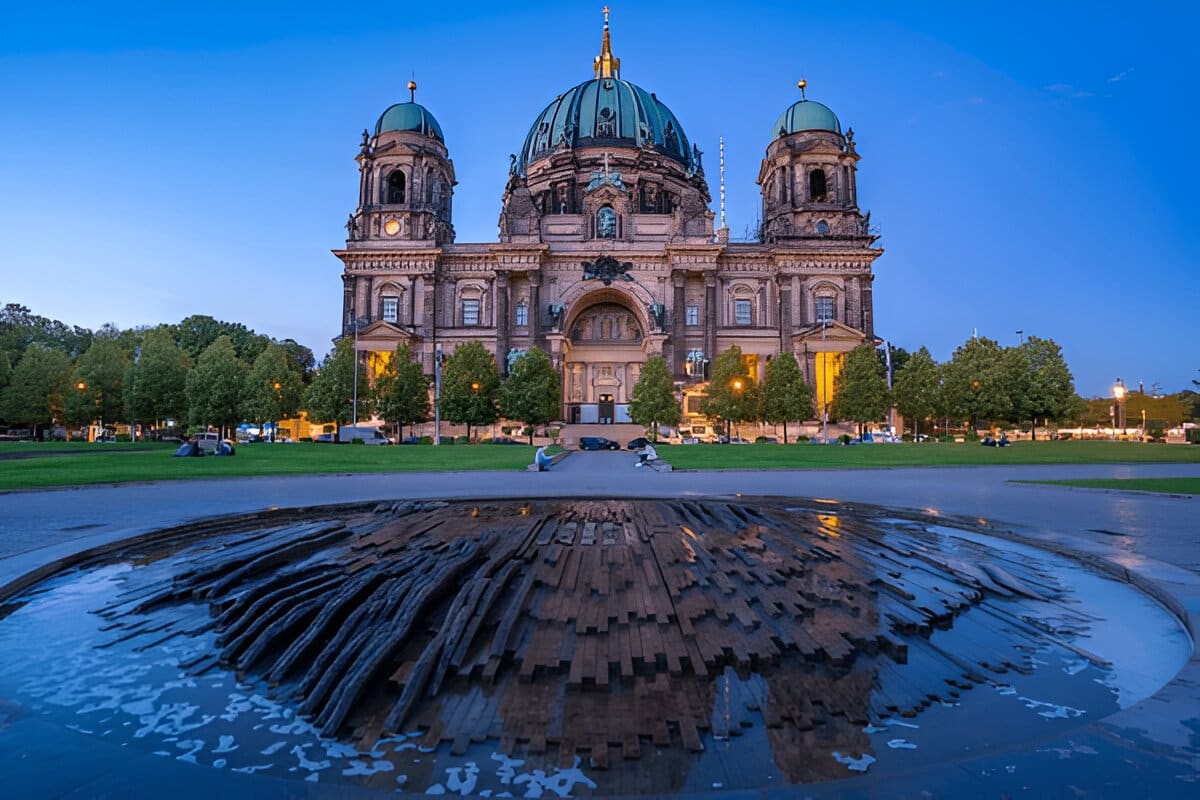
(27, 465)
(73, 464)
(775, 456)
(1164, 485)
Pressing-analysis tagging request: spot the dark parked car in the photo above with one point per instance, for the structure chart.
(597, 443)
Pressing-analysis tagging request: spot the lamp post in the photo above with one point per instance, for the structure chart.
(1119, 411)
(355, 323)
(82, 387)
(737, 385)
(437, 394)
(278, 410)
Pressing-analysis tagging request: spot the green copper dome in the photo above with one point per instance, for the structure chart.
(606, 112)
(806, 115)
(410, 116)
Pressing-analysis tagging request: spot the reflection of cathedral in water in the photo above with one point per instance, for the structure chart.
(607, 179)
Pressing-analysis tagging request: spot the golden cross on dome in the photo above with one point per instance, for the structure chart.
(606, 65)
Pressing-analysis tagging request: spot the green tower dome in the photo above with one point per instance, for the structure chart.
(806, 115)
(410, 116)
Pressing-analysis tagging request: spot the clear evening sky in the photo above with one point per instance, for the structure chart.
(1031, 167)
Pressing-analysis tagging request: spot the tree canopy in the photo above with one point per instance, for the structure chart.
(733, 394)
(532, 392)
(917, 389)
(273, 388)
(214, 388)
(1046, 387)
(156, 386)
(330, 396)
(38, 387)
(653, 400)
(786, 395)
(102, 370)
(860, 391)
(402, 391)
(470, 386)
(976, 383)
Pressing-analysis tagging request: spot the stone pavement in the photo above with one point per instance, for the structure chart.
(1149, 750)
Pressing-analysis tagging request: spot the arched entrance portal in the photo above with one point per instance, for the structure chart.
(604, 347)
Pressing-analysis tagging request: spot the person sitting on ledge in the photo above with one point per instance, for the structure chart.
(1003, 440)
(647, 457)
(988, 441)
(541, 460)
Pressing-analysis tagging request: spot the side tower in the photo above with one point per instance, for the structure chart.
(406, 180)
(808, 179)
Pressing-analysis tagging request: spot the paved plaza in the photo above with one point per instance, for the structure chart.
(1151, 749)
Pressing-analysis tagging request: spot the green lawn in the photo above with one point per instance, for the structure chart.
(77, 463)
(927, 454)
(1164, 485)
(81, 463)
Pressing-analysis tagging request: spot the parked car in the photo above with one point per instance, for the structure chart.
(597, 443)
(642, 441)
(366, 433)
(324, 437)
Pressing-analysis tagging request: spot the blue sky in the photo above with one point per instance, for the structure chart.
(1031, 167)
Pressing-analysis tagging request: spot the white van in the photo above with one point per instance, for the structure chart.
(369, 435)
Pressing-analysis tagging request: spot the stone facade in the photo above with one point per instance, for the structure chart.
(607, 252)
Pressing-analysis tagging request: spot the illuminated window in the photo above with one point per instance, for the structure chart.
(741, 312)
(522, 315)
(693, 315)
(391, 309)
(470, 312)
(825, 309)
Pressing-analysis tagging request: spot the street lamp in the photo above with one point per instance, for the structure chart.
(437, 394)
(356, 322)
(1119, 412)
(736, 384)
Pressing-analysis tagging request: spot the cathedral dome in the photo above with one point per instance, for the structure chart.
(410, 116)
(806, 115)
(606, 112)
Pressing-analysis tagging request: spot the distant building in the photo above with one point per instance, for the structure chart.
(607, 252)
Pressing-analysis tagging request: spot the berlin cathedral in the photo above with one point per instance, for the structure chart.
(607, 252)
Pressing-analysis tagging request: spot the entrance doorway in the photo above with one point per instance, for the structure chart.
(607, 409)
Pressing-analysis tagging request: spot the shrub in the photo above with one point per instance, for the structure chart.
(426, 440)
(305, 439)
(845, 438)
(946, 437)
(357, 440)
(461, 440)
(906, 437)
(801, 439)
(1193, 435)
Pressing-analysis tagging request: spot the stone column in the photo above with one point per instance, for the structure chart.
(710, 317)
(362, 297)
(502, 321)
(429, 305)
(535, 308)
(678, 320)
(800, 299)
(868, 311)
(853, 309)
(347, 300)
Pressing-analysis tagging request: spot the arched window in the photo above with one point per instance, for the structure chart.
(817, 186)
(395, 188)
(606, 223)
(783, 184)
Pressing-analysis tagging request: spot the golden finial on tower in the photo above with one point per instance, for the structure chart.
(606, 65)
(412, 91)
(802, 85)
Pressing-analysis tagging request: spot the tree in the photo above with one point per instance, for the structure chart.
(653, 401)
(975, 382)
(330, 396)
(732, 394)
(532, 393)
(156, 386)
(1047, 386)
(38, 388)
(5, 371)
(300, 358)
(101, 369)
(402, 391)
(198, 331)
(786, 395)
(860, 392)
(470, 386)
(20, 328)
(214, 387)
(917, 389)
(273, 387)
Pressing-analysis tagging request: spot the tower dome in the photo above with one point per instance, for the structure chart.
(806, 115)
(606, 111)
(410, 116)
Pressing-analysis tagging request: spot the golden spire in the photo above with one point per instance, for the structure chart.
(802, 85)
(412, 91)
(606, 65)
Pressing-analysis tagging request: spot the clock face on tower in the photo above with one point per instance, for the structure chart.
(391, 227)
